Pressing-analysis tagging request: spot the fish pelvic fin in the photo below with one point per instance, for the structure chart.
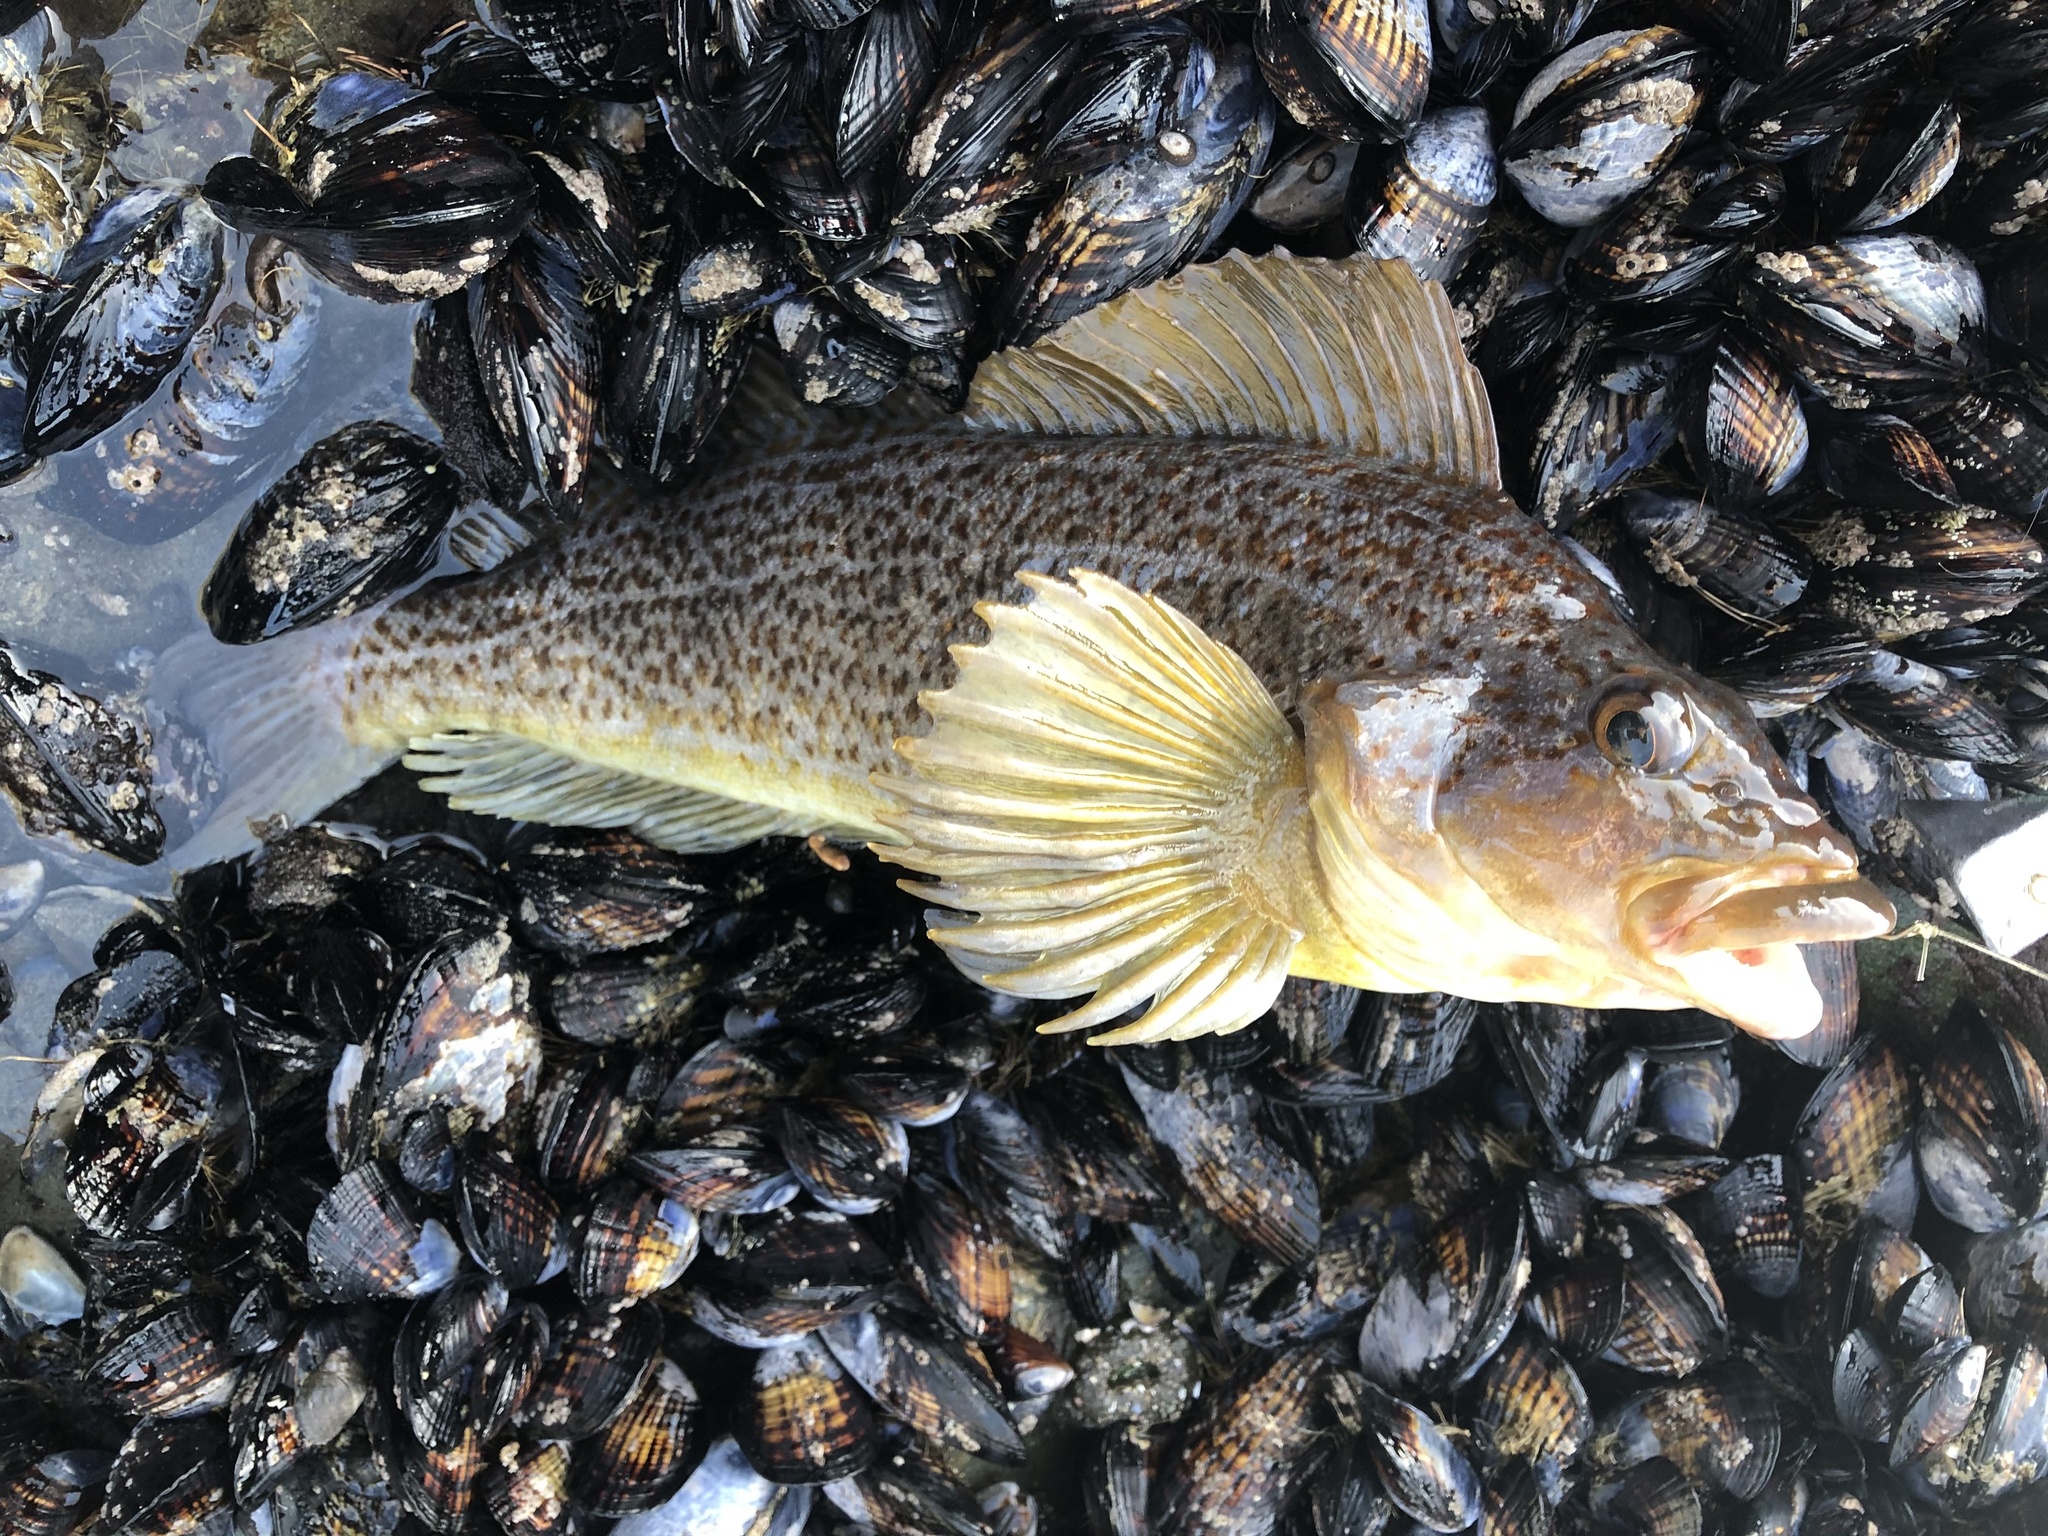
(1355, 353)
(273, 719)
(503, 774)
(1108, 801)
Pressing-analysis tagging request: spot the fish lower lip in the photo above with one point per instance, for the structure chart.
(1798, 912)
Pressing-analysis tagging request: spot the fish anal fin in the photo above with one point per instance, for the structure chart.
(1106, 801)
(502, 774)
(1356, 354)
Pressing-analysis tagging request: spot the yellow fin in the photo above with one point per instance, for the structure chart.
(515, 776)
(1357, 353)
(1101, 787)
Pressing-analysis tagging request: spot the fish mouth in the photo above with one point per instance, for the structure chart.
(1733, 936)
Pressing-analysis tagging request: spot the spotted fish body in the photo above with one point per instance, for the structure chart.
(771, 632)
(1222, 658)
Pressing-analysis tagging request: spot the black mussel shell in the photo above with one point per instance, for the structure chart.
(799, 1420)
(584, 204)
(1922, 709)
(957, 1260)
(833, 358)
(169, 1360)
(1475, 1266)
(1870, 309)
(679, 369)
(1143, 216)
(600, 1359)
(956, 147)
(428, 889)
(1876, 459)
(1853, 1144)
(643, 1454)
(889, 77)
(138, 997)
(916, 289)
(1011, 1174)
(507, 1369)
(388, 191)
(1653, 247)
(587, 893)
(358, 517)
(940, 1386)
(1890, 163)
(1406, 1043)
(160, 1125)
(1819, 94)
(171, 1476)
(539, 358)
(510, 1223)
(742, 272)
(526, 1489)
(586, 1121)
(1430, 202)
(1995, 447)
(1118, 97)
(1368, 63)
(633, 1242)
(637, 999)
(125, 323)
(1531, 1403)
(1982, 1137)
(1744, 429)
(366, 1240)
(737, 1168)
(434, 1358)
(803, 188)
(1740, 563)
(1232, 1470)
(1748, 1224)
(445, 382)
(1601, 120)
(1721, 1428)
(1607, 414)
(491, 76)
(846, 1158)
(611, 49)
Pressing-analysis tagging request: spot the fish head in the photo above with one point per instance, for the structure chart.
(1620, 835)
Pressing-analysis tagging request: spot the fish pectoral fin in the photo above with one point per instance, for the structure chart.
(1357, 354)
(1097, 801)
(502, 774)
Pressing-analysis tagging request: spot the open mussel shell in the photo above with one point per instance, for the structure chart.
(367, 1240)
(800, 1420)
(1360, 67)
(387, 191)
(1141, 217)
(1599, 121)
(1431, 201)
(633, 1242)
(1982, 1135)
(1740, 563)
(1889, 164)
(124, 325)
(643, 1454)
(358, 517)
(1871, 309)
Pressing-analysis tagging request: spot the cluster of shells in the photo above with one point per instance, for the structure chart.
(416, 1185)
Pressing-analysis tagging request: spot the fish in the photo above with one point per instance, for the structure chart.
(1202, 650)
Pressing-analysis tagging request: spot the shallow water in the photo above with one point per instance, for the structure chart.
(91, 608)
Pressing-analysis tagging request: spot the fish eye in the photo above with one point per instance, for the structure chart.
(1643, 728)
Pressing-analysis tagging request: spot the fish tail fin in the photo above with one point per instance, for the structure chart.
(271, 716)
(1104, 789)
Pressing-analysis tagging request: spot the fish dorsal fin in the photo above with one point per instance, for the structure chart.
(1357, 353)
(502, 774)
(1102, 787)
